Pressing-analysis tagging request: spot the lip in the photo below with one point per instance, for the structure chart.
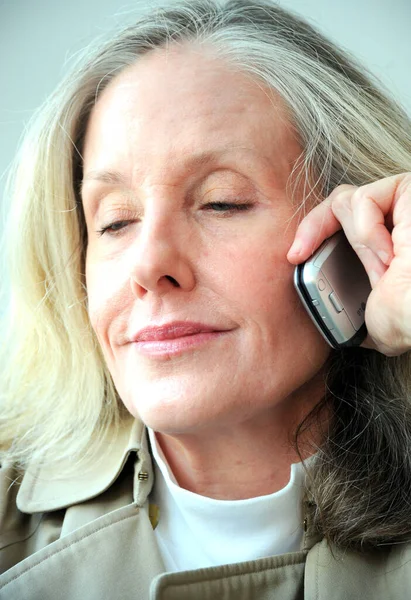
(174, 337)
(171, 331)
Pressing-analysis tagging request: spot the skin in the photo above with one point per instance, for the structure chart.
(224, 411)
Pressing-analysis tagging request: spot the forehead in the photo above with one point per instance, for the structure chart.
(185, 101)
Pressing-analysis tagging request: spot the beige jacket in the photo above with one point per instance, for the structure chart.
(91, 538)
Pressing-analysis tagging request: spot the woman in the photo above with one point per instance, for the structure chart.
(158, 195)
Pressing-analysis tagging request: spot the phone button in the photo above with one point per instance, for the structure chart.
(328, 323)
(321, 285)
(335, 302)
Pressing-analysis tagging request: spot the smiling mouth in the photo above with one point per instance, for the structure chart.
(174, 338)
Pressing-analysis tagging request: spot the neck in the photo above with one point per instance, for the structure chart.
(234, 462)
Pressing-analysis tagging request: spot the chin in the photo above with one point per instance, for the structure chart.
(176, 415)
(170, 423)
(168, 402)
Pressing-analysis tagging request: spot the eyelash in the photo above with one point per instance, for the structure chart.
(225, 208)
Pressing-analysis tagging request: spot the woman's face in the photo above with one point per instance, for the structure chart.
(189, 223)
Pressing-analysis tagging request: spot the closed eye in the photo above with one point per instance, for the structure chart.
(113, 228)
(225, 207)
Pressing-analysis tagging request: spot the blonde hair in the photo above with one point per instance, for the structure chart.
(57, 398)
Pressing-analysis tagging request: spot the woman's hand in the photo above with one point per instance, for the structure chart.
(376, 219)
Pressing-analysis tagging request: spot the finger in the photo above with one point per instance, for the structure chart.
(364, 226)
(364, 219)
(386, 192)
(370, 226)
(368, 210)
(319, 224)
(322, 222)
(378, 206)
(401, 234)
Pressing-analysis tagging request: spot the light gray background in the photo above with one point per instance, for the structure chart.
(37, 37)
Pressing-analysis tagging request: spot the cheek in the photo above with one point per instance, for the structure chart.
(105, 284)
(258, 278)
(259, 284)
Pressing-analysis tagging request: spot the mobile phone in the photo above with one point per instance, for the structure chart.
(334, 286)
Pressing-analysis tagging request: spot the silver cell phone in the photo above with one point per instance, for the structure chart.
(334, 286)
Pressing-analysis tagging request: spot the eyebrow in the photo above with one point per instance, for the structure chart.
(195, 161)
(111, 177)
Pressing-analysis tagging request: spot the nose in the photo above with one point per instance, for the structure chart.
(160, 257)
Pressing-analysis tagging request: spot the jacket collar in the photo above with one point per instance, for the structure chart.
(44, 489)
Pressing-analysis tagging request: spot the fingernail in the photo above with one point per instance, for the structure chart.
(374, 278)
(384, 256)
(296, 248)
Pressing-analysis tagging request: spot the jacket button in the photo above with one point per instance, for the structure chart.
(143, 476)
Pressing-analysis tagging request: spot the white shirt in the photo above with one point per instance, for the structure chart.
(195, 531)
